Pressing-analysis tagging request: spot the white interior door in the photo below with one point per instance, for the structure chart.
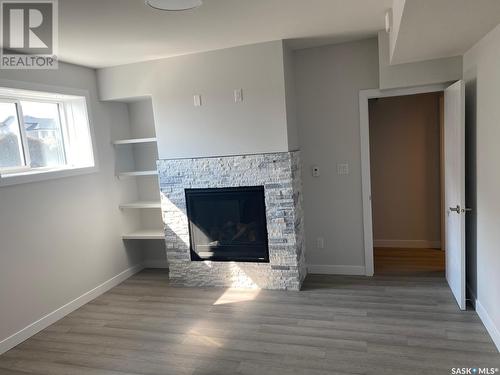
(454, 169)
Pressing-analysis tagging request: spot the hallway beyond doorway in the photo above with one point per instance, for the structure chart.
(414, 262)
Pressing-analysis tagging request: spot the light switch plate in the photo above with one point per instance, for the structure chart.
(320, 242)
(197, 100)
(343, 169)
(238, 95)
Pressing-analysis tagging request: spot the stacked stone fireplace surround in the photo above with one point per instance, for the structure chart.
(279, 173)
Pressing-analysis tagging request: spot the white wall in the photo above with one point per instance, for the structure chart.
(220, 126)
(61, 238)
(482, 77)
(328, 80)
(415, 74)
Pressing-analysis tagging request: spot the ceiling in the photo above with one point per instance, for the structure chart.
(432, 29)
(101, 33)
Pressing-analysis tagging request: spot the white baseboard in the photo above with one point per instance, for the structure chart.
(489, 324)
(61, 312)
(335, 270)
(412, 244)
(163, 264)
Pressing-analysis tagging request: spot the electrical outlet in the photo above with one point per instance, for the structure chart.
(320, 243)
(315, 171)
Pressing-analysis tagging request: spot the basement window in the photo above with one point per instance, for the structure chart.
(43, 135)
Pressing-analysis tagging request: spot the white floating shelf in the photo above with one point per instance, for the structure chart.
(140, 204)
(145, 234)
(134, 141)
(137, 174)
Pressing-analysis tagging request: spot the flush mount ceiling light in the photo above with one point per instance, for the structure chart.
(174, 5)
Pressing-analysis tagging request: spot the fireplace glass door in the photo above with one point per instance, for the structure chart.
(227, 224)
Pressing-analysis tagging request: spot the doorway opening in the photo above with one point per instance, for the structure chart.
(452, 156)
(406, 165)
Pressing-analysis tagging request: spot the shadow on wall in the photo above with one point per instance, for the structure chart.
(471, 184)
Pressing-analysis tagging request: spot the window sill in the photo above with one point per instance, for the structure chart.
(42, 175)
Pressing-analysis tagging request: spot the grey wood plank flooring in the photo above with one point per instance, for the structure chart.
(337, 325)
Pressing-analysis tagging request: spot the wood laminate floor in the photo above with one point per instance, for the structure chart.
(336, 325)
(409, 262)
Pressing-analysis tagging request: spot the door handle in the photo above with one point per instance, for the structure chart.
(458, 209)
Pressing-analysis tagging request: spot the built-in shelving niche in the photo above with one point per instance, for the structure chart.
(136, 153)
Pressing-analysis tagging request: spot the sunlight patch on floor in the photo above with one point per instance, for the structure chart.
(234, 295)
(201, 339)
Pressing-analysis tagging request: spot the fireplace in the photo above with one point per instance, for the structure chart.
(244, 208)
(227, 224)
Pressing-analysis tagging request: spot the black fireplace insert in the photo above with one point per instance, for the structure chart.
(227, 224)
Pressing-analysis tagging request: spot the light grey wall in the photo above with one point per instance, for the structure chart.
(328, 80)
(290, 99)
(220, 126)
(415, 74)
(61, 238)
(142, 123)
(482, 77)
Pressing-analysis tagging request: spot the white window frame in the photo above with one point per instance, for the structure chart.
(65, 99)
(22, 132)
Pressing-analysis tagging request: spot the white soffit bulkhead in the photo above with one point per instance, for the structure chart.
(430, 29)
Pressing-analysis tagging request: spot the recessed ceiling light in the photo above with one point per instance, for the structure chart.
(174, 5)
